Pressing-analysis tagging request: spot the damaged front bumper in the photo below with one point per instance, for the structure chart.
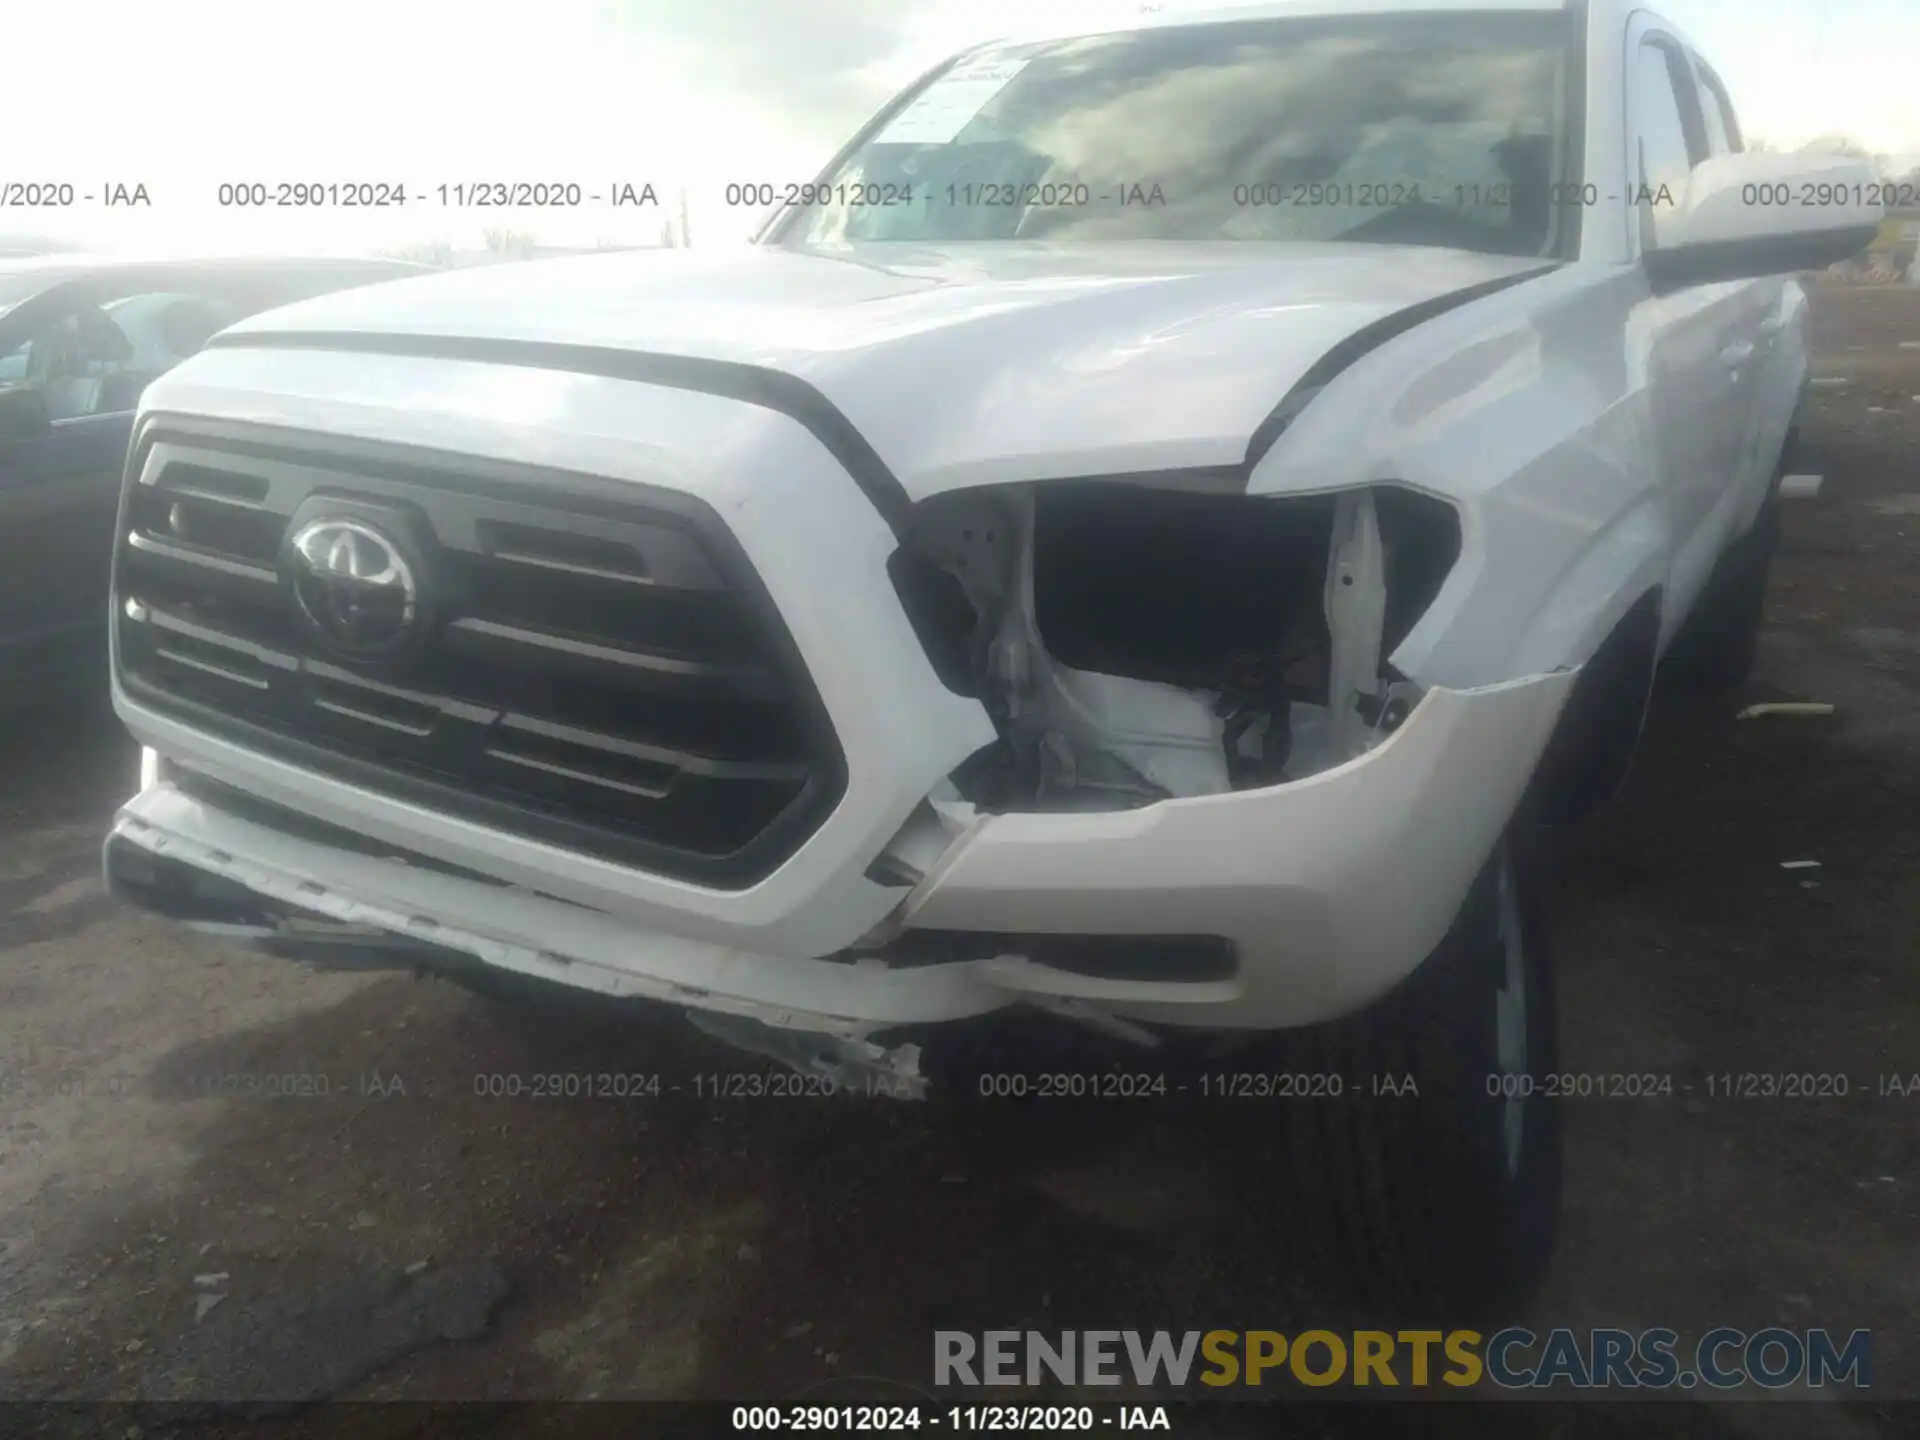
(1329, 890)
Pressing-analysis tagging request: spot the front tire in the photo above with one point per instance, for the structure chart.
(1438, 1199)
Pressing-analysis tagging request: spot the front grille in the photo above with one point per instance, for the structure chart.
(599, 666)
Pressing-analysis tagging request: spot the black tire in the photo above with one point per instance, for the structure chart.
(1415, 1200)
(1720, 641)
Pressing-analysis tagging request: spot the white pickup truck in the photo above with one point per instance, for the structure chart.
(1145, 536)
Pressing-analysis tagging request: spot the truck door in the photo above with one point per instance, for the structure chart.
(1698, 344)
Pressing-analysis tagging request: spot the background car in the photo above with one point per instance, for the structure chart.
(80, 338)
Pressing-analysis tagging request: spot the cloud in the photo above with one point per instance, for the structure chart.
(823, 66)
(820, 65)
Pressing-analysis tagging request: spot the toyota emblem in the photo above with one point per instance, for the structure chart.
(354, 587)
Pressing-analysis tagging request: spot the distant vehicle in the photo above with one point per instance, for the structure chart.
(81, 337)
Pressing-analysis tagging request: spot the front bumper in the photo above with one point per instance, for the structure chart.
(1331, 889)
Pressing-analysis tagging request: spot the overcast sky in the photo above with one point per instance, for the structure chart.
(181, 95)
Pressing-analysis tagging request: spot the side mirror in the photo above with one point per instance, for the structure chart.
(23, 415)
(1745, 216)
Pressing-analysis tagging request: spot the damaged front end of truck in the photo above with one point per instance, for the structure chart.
(1146, 762)
(1137, 642)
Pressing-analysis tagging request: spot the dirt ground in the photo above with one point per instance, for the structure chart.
(402, 1236)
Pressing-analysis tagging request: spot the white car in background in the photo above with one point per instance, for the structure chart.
(1110, 548)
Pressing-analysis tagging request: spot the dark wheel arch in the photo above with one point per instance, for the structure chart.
(1588, 755)
(1416, 1200)
(1718, 646)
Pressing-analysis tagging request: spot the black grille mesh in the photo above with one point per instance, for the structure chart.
(603, 669)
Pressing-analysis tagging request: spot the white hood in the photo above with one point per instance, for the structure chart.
(963, 364)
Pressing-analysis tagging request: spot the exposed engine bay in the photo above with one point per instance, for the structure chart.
(1135, 643)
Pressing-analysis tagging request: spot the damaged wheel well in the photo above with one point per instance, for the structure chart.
(1134, 640)
(1587, 757)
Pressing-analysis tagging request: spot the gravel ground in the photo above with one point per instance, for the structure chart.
(401, 1236)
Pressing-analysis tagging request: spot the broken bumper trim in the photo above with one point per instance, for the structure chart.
(516, 929)
(1332, 889)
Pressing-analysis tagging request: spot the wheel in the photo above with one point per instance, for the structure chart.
(1717, 646)
(1434, 1192)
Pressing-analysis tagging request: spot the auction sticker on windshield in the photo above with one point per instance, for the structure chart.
(943, 110)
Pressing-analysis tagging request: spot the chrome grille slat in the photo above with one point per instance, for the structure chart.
(749, 679)
(334, 707)
(569, 773)
(205, 635)
(569, 567)
(207, 667)
(678, 760)
(204, 496)
(168, 552)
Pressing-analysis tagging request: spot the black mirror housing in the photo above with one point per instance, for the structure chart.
(1749, 259)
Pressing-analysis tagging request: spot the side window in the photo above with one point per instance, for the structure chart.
(96, 359)
(1670, 131)
(1716, 125)
(1722, 124)
(71, 361)
(166, 326)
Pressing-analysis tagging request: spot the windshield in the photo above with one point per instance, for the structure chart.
(1457, 129)
(24, 285)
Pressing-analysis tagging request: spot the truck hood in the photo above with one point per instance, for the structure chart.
(960, 365)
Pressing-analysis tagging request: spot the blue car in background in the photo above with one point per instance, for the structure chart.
(80, 338)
